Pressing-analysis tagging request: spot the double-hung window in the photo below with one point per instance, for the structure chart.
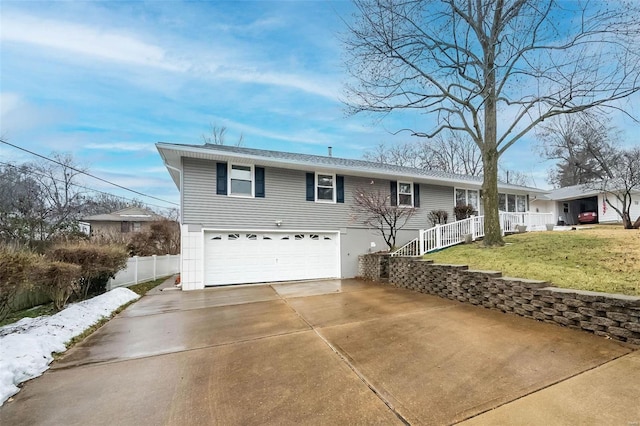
(325, 188)
(241, 180)
(468, 197)
(405, 194)
(512, 203)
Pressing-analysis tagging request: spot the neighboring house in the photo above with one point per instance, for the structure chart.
(250, 215)
(568, 202)
(121, 223)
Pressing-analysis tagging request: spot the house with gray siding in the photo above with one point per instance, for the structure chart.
(251, 215)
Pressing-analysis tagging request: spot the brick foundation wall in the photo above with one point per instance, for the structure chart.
(612, 315)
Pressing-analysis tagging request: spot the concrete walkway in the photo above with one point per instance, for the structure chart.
(330, 352)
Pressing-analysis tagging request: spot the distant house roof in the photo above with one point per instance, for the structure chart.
(130, 214)
(171, 153)
(574, 192)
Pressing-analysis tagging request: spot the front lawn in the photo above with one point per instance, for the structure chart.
(605, 258)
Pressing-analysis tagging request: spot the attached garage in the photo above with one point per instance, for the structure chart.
(239, 257)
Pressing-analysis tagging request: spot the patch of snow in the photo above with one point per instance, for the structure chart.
(26, 346)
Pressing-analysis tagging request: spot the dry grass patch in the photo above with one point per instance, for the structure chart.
(605, 258)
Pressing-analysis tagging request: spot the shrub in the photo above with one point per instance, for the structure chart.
(98, 263)
(463, 211)
(438, 217)
(58, 280)
(14, 276)
(163, 237)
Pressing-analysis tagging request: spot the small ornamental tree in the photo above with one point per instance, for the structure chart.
(622, 182)
(373, 208)
(463, 211)
(438, 217)
(98, 264)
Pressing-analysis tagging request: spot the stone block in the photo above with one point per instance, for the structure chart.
(618, 316)
(633, 326)
(527, 296)
(520, 311)
(575, 303)
(540, 316)
(587, 311)
(601, 306)
(563, 320)
(540, 304)
(622, 332)
(604, 321)
(586, 325)
(560, 307)
(528, 307)
(588, 296)
(573, 316)
(520, 300)
(549, 311)
(548, 299)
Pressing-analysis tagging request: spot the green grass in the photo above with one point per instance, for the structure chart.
(36, 311)
(603, 259)
(143, 288)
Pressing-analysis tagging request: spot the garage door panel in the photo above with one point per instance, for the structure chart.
(235, 257)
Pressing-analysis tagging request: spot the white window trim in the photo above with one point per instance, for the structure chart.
(398, 194)
(253, 180)
(335, 189)
(466, 196)
(527, 207)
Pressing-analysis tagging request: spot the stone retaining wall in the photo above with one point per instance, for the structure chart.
(374, 266)
(612, 315)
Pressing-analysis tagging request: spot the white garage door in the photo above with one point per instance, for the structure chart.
(236, 257)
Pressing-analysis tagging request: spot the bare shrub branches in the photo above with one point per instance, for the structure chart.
(373, 208)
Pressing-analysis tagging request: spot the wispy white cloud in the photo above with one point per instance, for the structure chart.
(102, 43)
(121, 146)
(129, 48)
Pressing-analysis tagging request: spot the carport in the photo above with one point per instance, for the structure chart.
(570, 209)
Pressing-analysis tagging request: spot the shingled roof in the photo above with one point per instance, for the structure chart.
(129, 214)
(298, 160)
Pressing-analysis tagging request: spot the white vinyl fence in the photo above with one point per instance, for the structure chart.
(140, 269)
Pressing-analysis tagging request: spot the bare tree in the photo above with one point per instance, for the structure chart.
(582, 144)
(464, 62)
(621, 181)
(218, 136)
(60, 191)
(452, 154)
(373, 208)
(514, 177)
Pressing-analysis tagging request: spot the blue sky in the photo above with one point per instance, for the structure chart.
(105, 81)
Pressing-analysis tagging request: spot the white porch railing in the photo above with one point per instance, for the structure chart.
(442, 236)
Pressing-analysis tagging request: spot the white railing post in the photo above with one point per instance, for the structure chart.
(438, 236)
(135, 269)
(155, 264)
(421, 249)
(472, 228)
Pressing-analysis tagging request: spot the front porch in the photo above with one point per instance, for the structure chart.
(471, 229)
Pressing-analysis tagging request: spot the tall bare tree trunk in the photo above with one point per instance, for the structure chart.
(490, 155)
(493, 233)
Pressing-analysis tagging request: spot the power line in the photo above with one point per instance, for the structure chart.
(21, 169)
(88, 174)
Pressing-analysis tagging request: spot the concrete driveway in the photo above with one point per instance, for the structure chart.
(330, 352)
